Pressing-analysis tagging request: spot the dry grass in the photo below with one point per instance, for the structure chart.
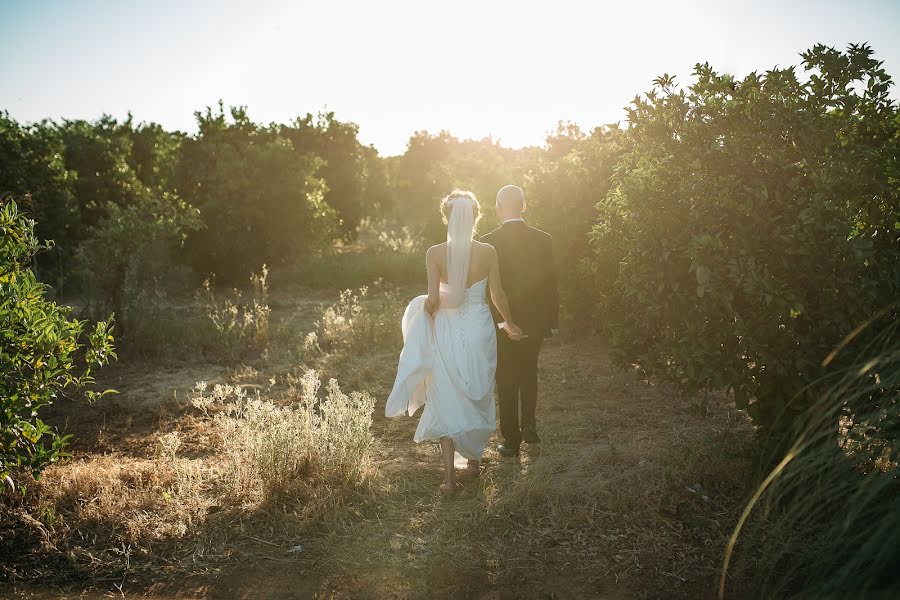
(262, 464)
(632, 495)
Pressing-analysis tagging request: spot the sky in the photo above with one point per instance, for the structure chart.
(507, 69)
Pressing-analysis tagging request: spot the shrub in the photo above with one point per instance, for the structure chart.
(240, 325)
(434, 164)
(269, 447)
(42, 354)
(383, 249)
(751, 226)
(563, 189)
(34, 170)
(353, 269)
(113, 260)
(344, 167)
(96, 154)
(361, 321)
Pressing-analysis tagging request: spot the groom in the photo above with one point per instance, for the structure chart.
(529, 280)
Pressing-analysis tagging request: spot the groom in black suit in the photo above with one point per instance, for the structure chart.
(529, 280)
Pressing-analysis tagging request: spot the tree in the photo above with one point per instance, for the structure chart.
(259, 200)
(154, 153)
(573, 174)
(33, 169)
(41, 353)
(117, 245)
(343, 166)
(378, 195)
(97, 154)
(434, 164)
(751, 226)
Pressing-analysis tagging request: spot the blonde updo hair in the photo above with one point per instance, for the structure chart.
(457, 193)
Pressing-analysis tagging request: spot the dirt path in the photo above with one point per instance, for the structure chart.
(630, 495)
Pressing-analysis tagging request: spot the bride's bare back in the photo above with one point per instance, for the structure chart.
(479, 261)
(483, 263)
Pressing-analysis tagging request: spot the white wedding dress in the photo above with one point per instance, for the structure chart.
(449, 360)
(447, 365)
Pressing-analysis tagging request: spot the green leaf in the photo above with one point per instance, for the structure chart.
(702, 274)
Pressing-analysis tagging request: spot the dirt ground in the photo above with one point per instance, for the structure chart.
(631, 494)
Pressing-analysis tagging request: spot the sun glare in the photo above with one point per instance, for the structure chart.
(505, 69)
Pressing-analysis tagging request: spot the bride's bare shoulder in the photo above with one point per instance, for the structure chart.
(485, 248)
(435, 250)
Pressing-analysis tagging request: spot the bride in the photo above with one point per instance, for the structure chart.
(449, 345)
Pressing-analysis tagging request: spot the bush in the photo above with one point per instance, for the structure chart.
(383, 250)
(361, 321)
(751, 226)
(42, 354)
(344, 167)
(269, 447)
(34, 170)
(241, 326)
(572, 177)
(113, 260)
(355, 269)
(96, 153)
(434, 164)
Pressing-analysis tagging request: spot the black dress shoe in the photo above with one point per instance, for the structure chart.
(507, 450)
(529, 435)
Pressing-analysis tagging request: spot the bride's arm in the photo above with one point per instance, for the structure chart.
(434, 281)
(498, 296)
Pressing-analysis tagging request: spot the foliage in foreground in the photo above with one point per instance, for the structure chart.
(825, 522)
(751, 226)
(42, 354)
(269, 447)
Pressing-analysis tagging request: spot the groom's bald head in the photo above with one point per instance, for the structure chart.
(510, 202)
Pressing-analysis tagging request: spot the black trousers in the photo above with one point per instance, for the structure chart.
(517, 371)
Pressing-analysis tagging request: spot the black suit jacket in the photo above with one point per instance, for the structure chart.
(528, 273)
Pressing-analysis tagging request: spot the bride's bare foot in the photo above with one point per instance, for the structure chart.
(473, 469)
